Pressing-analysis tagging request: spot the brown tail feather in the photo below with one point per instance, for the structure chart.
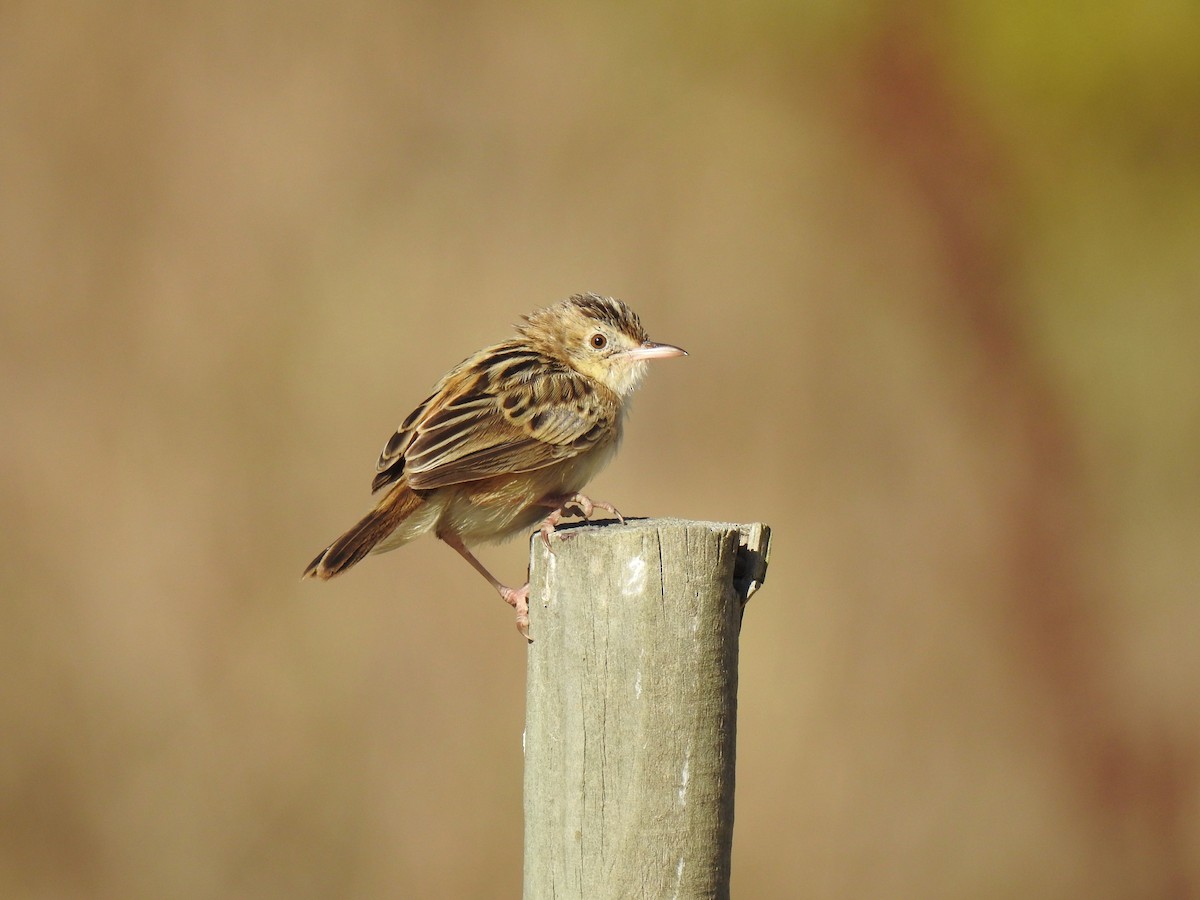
(395, 506)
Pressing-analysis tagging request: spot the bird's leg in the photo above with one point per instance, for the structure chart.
(517, 598)
(558, 504)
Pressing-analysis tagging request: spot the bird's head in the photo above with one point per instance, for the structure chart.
(599, 337)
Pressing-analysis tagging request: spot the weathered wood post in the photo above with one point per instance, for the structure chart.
(632, 707)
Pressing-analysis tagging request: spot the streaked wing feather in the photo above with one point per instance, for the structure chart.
(390, 466)
(473, 436)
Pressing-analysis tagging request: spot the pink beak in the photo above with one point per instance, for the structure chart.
(651, 350)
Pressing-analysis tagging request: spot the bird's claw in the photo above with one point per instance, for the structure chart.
(575, 505)
(608, 508)
(546, 530)
(518, 599)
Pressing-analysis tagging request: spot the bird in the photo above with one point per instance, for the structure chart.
(508, 437)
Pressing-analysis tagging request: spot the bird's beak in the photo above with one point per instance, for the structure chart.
(651, 350)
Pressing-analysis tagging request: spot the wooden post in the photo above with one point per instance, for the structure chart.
(632, 707)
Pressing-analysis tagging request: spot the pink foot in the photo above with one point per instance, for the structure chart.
(518, 599)
(583, 506)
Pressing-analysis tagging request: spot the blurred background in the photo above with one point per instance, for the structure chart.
(937, 268)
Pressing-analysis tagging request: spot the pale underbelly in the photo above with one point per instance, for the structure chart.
(499, 508)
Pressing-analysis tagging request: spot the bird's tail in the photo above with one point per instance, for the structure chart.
(393, 508)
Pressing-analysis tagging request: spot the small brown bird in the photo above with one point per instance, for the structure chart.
(515, 430)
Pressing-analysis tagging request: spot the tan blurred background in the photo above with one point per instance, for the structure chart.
(939, 276)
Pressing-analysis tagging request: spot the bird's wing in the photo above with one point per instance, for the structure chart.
(507, 413)
(391, 461)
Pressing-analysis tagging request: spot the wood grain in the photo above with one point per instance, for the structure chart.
(632, 707)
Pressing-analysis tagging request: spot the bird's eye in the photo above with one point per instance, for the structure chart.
(599, 341)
